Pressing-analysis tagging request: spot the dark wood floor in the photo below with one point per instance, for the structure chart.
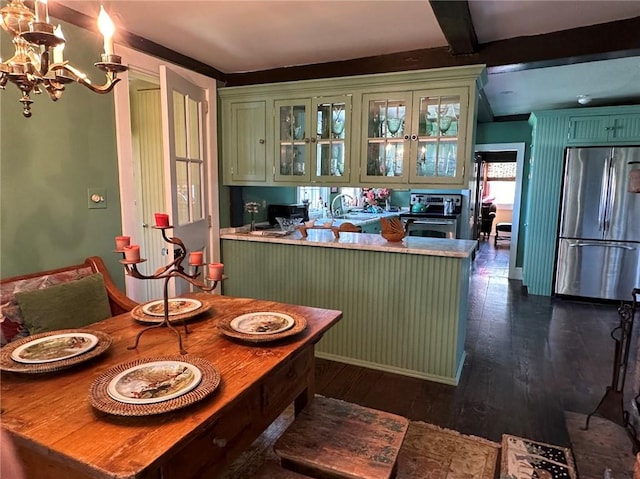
(529, 358)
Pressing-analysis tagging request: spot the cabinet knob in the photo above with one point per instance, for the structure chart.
(219, 441)
(414, 137)
(406, 137)
(306, 140)
(261, 141)
(313, 140)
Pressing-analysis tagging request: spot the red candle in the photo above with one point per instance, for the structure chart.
(162, 220)
(195, 258)
(215, 271)
(132, 252)
(122, 241)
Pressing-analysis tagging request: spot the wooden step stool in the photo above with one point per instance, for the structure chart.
(333, 439)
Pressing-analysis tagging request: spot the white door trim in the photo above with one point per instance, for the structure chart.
(514, 272)
(150, 66)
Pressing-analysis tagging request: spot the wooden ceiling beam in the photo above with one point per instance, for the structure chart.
(455, 21)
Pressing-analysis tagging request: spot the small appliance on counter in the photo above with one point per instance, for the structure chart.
(434, 215)
(293, 211)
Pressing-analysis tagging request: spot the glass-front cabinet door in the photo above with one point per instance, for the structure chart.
(439, 119)
(386, 129)
(293, 133)
(332, 126)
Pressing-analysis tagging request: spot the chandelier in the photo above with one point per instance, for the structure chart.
(38, 61)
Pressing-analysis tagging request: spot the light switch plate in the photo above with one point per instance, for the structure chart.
(97, 198)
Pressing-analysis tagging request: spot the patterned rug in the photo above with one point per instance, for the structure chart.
(604, 445)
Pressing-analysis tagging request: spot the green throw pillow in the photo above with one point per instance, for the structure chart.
(72, 304)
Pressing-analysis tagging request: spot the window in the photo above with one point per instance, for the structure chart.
(320, 197)
(317, 197)
(500, 182)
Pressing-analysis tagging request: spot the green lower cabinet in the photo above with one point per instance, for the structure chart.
(402, 313)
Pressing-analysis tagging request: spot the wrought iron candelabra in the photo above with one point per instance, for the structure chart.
(171, 270)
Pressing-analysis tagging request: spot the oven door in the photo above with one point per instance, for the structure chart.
(433, 227)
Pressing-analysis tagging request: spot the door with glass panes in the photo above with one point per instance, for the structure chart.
(439, 124)
(293, 145)
(387, 119)
(414, 137)
(332, 127)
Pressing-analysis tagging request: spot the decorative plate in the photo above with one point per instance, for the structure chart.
(54, 348)
(177, 306)
(299, 324)
(154, 382)
(7, 363)
(139, 315)
(261, 323)
(101, 399)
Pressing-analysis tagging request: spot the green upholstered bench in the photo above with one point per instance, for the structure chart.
(72, 296)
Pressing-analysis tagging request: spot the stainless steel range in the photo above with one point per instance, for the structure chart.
(434, 215)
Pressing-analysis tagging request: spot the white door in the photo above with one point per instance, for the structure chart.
(183, 109)
(146, 178)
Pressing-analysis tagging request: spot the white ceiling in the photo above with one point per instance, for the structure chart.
(241, 36)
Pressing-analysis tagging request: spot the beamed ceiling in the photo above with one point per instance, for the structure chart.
(539, 54)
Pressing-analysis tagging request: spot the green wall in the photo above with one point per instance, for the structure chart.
(511, 132)
(47, 163)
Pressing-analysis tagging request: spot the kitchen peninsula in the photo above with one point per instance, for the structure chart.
(404, 304)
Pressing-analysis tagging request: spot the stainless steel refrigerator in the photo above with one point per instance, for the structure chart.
(599, 237)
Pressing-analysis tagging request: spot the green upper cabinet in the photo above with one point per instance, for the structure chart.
(312, 140)
(602, 129)
(415, 137)
(244, 143)
(409, 128)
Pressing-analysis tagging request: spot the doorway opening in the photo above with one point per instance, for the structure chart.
(499, 186)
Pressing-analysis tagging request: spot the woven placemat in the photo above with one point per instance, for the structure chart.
(100, 399)
(8, 364)
(139, 315)
(224, 325)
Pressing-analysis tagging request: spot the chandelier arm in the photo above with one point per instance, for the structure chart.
(81, 78)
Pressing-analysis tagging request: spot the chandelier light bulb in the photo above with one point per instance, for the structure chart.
(42, 11)
(107, 28)
(58, 49)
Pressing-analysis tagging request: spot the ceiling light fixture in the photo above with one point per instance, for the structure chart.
(36, 40)
(584, 99)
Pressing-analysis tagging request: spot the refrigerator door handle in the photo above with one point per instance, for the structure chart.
(611, 192)
(602, 204)
(605, 245)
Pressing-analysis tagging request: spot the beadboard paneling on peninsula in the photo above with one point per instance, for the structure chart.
(402, 313)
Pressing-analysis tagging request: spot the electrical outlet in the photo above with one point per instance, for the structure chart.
(97, 198)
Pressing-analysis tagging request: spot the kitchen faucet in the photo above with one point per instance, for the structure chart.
(334, 211)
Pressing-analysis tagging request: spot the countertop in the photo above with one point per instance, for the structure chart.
(358, 241)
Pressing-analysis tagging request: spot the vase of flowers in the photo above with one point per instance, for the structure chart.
(252, 208)
(376, 199)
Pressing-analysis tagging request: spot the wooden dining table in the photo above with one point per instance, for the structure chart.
(58, 433)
